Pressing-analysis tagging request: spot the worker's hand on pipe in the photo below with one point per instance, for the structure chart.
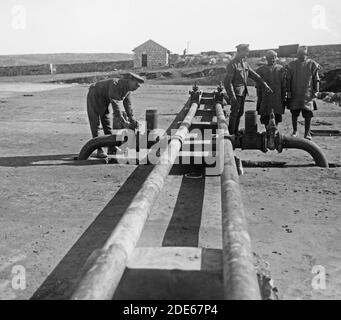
(133, 123)
(267, 88)
(124, 121)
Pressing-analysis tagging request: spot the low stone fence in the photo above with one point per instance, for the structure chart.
(66, 68)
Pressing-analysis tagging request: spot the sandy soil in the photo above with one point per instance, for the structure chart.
(55, 211)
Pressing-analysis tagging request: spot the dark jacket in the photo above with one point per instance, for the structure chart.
(112, 91)
(302, 83)
(275, 77)
(238, 72)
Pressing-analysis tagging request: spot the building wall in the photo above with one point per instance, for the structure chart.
(156, 56)
(313, 50)
(66, 68)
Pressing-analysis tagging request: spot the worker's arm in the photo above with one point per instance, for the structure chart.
(129, 111)
(228, 82)
(316, 78)
(118, 112)
(259, 90)
(258, 79)
(116, 104)
(289, 75)
(127, 105)
(284, 81)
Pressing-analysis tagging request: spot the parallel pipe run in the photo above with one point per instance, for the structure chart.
(240, 279)
(108, 264)
(308, 146)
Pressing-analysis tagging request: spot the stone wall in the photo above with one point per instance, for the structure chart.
(313, 50)
(325, 49)
(328, 56)
(24, 70)
(66, 68)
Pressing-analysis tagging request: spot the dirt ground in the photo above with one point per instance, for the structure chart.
(55, 211)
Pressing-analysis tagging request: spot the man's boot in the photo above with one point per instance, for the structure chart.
(307, 133)
(294, 126)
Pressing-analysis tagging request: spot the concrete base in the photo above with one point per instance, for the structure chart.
(172, 273)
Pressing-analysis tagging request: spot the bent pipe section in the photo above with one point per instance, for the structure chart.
(99, 142)
(106, 265)
(256, 143)
(308, 146)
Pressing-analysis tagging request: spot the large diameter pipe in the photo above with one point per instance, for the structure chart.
(308, 146)
(100, 142)
(105, 271)
(240, 278)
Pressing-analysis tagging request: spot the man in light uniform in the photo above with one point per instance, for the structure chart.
(271, 103)
(303, 88)
(114, 92)
(238, 72)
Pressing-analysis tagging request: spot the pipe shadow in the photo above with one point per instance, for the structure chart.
(282, 165)
(331, 166)
(62, 281)
(183, 228)
(46, 161)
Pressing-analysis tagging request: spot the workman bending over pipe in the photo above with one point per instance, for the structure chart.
(115, 92)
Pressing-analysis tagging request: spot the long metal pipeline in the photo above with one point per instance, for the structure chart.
(240, 278)
(108, 264)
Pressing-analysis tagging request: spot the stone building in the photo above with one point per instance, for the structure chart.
(151, 54)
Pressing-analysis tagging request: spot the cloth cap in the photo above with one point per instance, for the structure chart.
(134, 76)
(271, 53)
(242, 46)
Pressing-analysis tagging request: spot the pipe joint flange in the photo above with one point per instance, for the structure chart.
(195, 96)
(178, 137)
(230, 137)
(218, 97)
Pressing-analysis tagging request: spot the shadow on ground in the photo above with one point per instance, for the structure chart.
(62, 281)
(70, 160)
(183, 230)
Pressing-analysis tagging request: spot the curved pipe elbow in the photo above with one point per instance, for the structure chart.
(99, 142)
(313, 149)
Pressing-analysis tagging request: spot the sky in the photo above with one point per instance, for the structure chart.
(51, 26)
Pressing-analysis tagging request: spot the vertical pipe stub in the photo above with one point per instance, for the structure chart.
(251, 122)
(152, 119)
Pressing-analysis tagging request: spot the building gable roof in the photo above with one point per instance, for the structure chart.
(150, 42)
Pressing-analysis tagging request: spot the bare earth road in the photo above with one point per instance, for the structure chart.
(55, 211)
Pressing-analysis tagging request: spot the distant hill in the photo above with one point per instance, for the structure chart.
(61, 58)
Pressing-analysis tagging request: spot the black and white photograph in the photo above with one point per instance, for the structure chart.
(179, 153)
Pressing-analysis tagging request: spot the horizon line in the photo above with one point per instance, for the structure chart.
(68, 52)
